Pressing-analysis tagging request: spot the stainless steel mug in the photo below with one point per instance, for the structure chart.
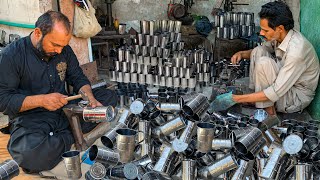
(205, 135)
(126, 143)
(72, 163)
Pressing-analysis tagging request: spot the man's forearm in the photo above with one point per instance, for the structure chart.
(253, 97)
(88, 91)
(31, 102)
(246, 54)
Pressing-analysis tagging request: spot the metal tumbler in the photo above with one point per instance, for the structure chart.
(126, 143)
(205, 135)
(72, 163)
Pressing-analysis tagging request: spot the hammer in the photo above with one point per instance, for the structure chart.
(80, 95)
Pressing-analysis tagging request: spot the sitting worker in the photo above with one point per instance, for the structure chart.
(284, 71)
(33, 74)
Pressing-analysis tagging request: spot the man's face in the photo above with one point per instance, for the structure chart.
(52, 43)
(267, 32)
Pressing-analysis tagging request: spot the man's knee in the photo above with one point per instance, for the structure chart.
(106, 96)
(262, 63)
(259, 52)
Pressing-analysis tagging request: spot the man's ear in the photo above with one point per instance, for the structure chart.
(280, 28)
(37, 33)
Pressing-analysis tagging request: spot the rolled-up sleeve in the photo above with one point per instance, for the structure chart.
(75, 76)
(287, 77)
(10, 98)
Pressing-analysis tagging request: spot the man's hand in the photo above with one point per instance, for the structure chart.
(53, 101)
(94, 103)
(236, 57)
(222, 102)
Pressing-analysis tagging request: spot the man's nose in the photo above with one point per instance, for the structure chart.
(58, 50)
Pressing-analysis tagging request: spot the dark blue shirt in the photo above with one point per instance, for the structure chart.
(23, 72)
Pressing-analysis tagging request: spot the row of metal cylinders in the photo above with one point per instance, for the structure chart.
(156, 80)
(166, 69)
(158, 40)
(180, 59)
(151, 27)
(233, 18)
(232, 32)
(145, 51)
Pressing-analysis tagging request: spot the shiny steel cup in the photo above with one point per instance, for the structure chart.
(189, 169)
(104, 155)
(303, 171)
(126, 143)
(169, 127)
(177, 26)
(176, 82)
(141, 39)
(171, 25)
(9, 169)
(164, 25)
(248, 141)
(113, 76)
(148, 40)
(169, 107)
(205, 135)
(244, 170)
(184, 82)
(164, 160)
(218, 144)
(192, 106)
(144, 27)
(98, 114)
(72, 163)
(152, 28)
(109, 138)
(192, 82)
(218, 167)
(272, 166)
(133, 171)
(121, 55)
(269, 122)
(145, 127)
(98, 171)
(178, 37)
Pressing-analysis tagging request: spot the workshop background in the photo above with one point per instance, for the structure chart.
(17, 18)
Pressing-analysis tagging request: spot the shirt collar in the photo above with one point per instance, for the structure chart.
(284, 44)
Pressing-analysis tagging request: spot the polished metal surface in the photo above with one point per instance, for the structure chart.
(71, 160)
(189, 170)
(205, 135)
(218, 167)
(221, 144)
(171, 126)
(10, 169)
(272, 166)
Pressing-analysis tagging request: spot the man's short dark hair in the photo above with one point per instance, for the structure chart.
(46, 21)
(277, 13)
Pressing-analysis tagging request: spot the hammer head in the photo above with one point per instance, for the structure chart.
(83, 95)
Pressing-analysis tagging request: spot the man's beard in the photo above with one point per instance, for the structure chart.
(42, 52)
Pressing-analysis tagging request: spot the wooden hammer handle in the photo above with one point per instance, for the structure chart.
(70, 98)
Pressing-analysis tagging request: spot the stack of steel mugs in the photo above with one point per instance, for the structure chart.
(232, 25)
(159, 59)
(167, 136)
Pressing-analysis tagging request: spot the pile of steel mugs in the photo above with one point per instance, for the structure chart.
(9, 169)
(182, 138)
(159, 58)
(231, 25)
